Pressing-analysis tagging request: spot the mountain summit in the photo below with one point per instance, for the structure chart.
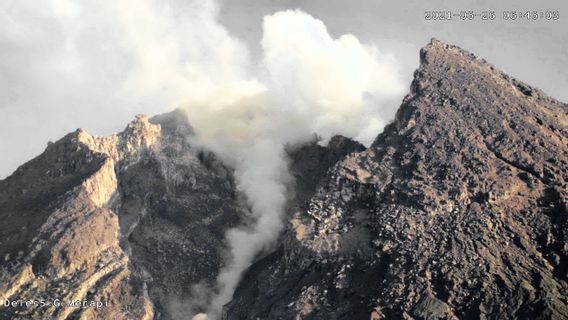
(456, 211)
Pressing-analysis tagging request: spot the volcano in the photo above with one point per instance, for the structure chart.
(456, 211)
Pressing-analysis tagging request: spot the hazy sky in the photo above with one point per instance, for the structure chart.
(536, 52)
(63, 65)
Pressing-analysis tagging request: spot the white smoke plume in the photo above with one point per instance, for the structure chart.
(143, 53)
(311, 83)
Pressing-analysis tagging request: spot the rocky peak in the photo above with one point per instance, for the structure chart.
(87, 218)
(458, 210)
(138, 135)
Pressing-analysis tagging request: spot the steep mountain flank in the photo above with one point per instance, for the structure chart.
(65, 230)
(133, 219)
(457, 211)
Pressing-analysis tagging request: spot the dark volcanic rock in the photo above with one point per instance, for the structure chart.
(310, 162)
(457, 211)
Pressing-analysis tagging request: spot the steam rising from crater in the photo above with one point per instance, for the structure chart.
(175, 53)
(308, 83)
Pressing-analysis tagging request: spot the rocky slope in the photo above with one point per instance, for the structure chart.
(136, 220)
(457, 211)
(126, 219)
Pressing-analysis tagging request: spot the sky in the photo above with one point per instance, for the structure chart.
(536, 52)
(64, 65)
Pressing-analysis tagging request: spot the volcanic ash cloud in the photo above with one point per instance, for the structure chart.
(309, 83)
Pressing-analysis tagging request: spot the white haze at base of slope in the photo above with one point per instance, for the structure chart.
(136, 54)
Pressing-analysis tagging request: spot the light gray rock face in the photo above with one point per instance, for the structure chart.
(457, 211)
(134, 219)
